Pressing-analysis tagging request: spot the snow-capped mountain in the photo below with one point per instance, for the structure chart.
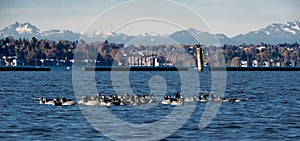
(24, 30)
(274, 33)
(27, 30)
(56, 34)
(106, 35)
(193, 36)
(288, 28)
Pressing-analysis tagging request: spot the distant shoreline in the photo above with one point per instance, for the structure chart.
(254, 68)
(24, 68)
(147, 68)
(173, 68)
(135, 68)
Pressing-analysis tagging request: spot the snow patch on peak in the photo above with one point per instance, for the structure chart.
(24, 29)
(52, 32)
(108, 33)
(289, 30)
(105, 33)
(267, 32)
(153, 34)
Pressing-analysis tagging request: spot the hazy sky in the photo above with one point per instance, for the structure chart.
(231, 17)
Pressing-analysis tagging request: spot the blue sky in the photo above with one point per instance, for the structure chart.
(231, 17)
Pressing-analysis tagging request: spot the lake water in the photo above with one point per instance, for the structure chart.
(271, 112)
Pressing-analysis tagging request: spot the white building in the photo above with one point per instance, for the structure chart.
(261, 48)
(244, 63)
(254, 63)
(14, 62)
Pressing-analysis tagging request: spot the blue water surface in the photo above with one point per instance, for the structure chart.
(271, 112)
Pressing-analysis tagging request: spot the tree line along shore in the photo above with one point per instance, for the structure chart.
(44, 52)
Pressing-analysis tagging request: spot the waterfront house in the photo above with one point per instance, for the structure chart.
(254, 63)
(244, 63)
(17, 62)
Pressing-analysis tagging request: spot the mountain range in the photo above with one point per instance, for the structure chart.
(274, 33)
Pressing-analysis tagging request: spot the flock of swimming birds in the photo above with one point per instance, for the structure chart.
(135, 100)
